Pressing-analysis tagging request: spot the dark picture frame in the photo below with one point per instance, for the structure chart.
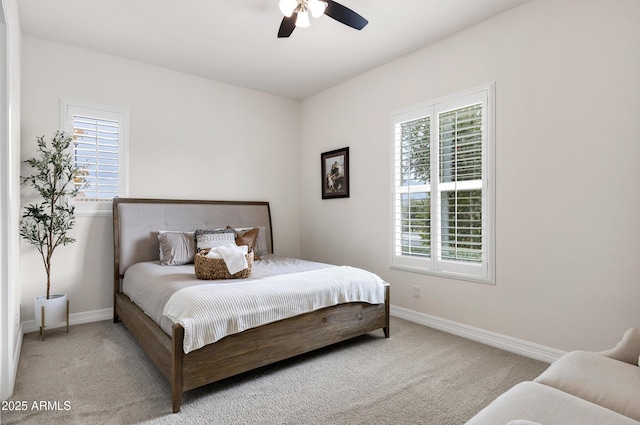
(335, 173)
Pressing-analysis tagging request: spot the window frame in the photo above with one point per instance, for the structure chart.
(69, 108)
(483, 272)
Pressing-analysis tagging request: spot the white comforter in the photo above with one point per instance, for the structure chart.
(279, 288)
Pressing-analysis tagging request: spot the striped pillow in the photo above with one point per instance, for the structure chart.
(212, 238)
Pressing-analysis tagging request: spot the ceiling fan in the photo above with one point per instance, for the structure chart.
(296, 14)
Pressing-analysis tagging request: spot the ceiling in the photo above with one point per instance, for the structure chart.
(234, 41)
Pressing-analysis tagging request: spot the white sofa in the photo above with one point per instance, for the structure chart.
(579, 388)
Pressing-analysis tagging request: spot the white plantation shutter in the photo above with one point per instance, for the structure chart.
(100, 136)
(443, 187)
(97, 153)
(460, 184)
(412, 182)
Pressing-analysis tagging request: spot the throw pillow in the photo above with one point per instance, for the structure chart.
(247, 237)
(213, 238)
(261, 247)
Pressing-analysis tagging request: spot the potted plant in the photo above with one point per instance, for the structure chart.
(46, 224)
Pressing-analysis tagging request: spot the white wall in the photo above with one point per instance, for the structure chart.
(567, 76)
(568, 165)
(10, 335)
(190, 138)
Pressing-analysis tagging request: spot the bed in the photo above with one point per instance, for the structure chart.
(136, 224)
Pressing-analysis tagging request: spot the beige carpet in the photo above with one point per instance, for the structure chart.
(97, 374)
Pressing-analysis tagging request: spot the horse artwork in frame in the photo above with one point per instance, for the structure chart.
(335, 173)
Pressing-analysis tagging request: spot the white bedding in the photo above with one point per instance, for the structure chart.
(278, 288)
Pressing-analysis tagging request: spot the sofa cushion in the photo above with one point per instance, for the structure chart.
(537, 403)
(609, 383)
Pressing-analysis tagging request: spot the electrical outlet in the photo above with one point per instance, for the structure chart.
(416, 291)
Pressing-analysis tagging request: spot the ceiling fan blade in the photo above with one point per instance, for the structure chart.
(344, 15)
(287, 26)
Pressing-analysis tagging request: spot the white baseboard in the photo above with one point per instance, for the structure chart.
(74, 319)
(507, 343)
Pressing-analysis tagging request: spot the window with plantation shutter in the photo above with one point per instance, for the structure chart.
(100, 137)
(97, 153)
(443, 187)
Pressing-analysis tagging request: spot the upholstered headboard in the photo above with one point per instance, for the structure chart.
(136, 223)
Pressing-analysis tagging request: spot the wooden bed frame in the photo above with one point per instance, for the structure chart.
(236, 353)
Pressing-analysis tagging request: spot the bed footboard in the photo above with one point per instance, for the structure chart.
(250, 349)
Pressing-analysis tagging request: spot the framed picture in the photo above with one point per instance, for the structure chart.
(335, 173)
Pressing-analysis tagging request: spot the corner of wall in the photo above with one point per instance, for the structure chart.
(10, 326)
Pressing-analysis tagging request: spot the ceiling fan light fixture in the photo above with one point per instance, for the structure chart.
(302, 20)
(287, 7)
(317, 7)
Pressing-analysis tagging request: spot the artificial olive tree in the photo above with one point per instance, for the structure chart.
(54, 176)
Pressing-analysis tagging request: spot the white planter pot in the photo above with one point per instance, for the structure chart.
(55, 309)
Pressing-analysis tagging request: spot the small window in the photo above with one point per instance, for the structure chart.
(100, 133)
(443, 187)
